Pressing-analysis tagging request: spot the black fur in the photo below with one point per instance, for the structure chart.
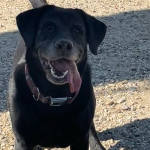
(35, 123)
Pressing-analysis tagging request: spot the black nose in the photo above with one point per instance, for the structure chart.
(63, 45)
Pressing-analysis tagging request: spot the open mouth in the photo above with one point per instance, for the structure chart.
(62, 71)
(54, 68)
(56, 73)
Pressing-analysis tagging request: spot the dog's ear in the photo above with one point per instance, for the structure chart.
(27, 24)
(95, 31)
(38, 3)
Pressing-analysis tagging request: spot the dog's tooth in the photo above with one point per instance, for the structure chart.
(56, 76)
(52, 72)
(46, 62)
(50, 65)
(65, 73)
(62, 76)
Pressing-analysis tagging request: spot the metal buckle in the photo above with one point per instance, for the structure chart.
(57, 101)
(38, 95)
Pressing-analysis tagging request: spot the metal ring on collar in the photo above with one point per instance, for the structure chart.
(38, 95)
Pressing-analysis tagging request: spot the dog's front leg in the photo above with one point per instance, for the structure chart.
(81, 144)
(21, 146)
(93, 139)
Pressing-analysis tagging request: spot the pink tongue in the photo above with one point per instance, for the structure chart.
(73, 76)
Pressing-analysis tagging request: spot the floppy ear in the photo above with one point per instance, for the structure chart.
(38, 3)
(95, 31)
(27, 24)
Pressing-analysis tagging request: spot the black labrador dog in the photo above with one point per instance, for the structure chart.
(51, 99)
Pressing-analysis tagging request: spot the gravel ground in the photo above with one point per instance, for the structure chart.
(121, 71)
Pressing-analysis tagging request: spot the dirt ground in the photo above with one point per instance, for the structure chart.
(121, 70)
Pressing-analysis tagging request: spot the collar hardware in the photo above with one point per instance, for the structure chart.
(38, 96)
(58, 101)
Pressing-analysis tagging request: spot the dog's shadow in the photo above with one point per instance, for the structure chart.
(132, 136)
(124, 55)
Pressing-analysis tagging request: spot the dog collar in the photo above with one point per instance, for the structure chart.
(48, 99)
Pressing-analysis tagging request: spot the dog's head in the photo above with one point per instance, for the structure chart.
(58, 38)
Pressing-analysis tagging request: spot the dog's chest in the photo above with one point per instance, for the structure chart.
(61, 135)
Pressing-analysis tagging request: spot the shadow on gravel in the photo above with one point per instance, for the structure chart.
(132, 136)
(125, 52)
(8, 43)
(124, 55)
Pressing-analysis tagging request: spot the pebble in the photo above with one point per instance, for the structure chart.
(11, 147)
(1, 25)
(132, 89)
(109, 102)
(124, 107)
(122, 100)
(124, 148)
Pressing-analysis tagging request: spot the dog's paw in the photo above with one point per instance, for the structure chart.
(38, 148)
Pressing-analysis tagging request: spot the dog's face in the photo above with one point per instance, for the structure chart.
(59, 39)
(61, 35)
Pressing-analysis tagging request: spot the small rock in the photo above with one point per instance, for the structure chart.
(124, 148)
(124, 107)
(132, 89)
(121, 100)
(133, 68)
(139, 106)
(134, 109)
(11, 147)
(118, 111)
(124, 82)
(109, 102)
(1, 25)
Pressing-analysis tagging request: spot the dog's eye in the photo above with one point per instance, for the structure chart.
(49, 26)
(77, 30)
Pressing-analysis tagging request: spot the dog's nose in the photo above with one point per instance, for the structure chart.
(63, 45)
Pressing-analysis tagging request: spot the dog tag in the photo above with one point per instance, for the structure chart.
(59, 101)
